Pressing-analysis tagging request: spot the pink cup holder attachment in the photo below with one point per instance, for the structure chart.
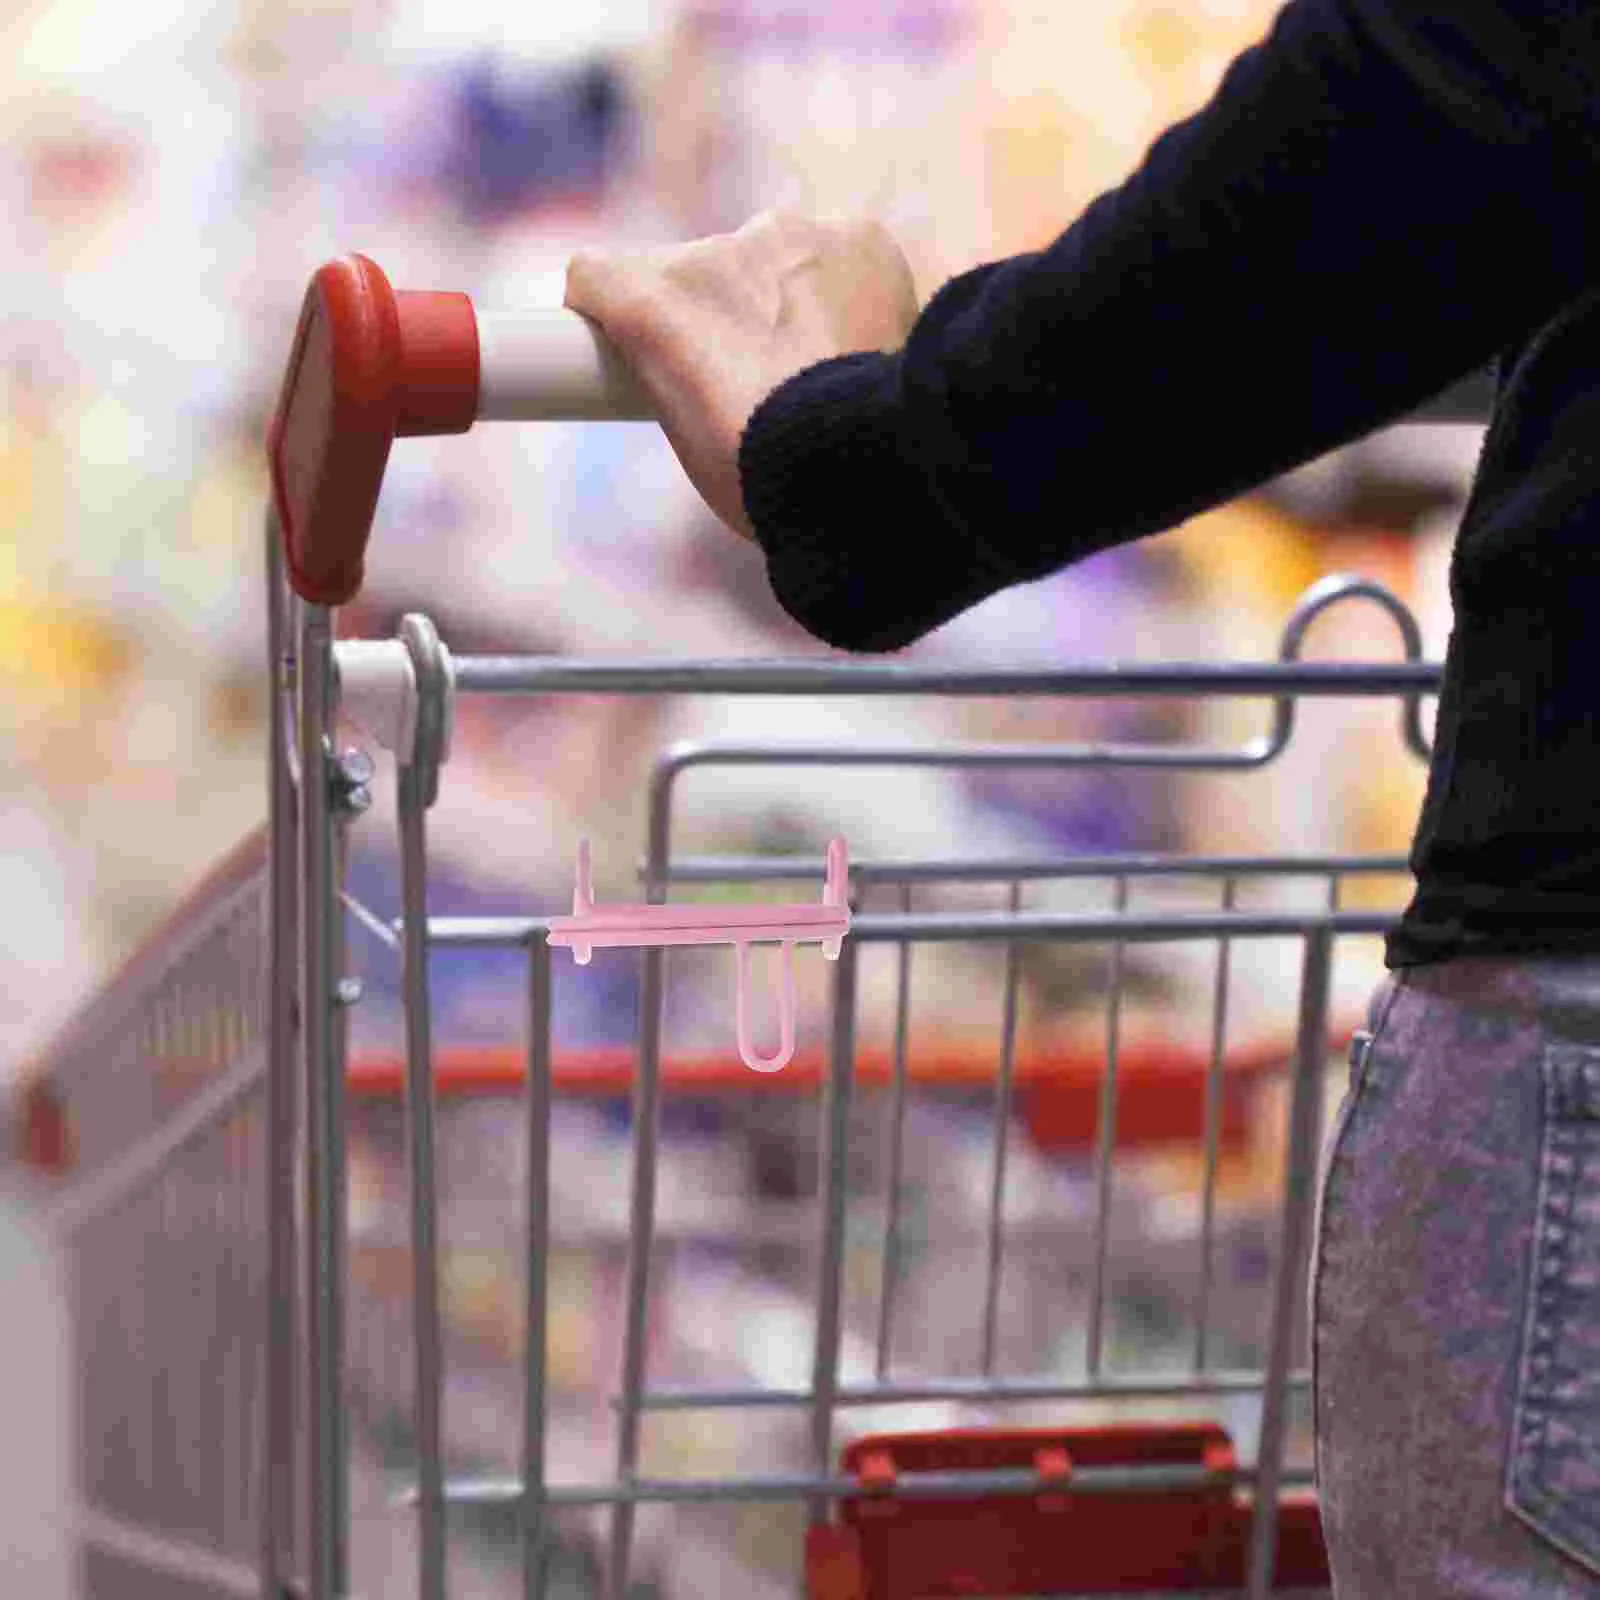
(591, 926)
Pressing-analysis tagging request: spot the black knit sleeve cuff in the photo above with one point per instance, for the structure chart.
(861, 551)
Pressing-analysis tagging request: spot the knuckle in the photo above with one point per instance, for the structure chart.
(589, 265)
(869, 233)
(786, 221)
(590, 284)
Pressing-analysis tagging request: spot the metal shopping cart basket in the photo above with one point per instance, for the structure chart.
(238, 1328)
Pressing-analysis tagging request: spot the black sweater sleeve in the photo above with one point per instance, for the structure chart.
(1378, 198)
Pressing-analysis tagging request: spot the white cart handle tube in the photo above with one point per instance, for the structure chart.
(552, 366)
(371, 364)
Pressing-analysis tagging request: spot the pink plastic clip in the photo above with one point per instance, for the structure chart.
(788, 925)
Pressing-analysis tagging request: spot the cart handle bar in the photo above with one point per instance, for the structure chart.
(788, 925)
(371, 364)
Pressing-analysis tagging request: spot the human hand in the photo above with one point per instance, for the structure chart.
(712, 327)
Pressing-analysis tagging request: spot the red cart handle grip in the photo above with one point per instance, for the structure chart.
(370, 364)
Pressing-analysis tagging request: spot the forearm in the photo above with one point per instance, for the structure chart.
(1371, 205)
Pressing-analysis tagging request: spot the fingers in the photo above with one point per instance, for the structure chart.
(607, 285)
(653, 301)
(636, 297)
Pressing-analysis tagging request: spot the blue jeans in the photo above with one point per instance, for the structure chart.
(1455, 1289)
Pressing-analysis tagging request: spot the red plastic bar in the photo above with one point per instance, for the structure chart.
(884, 1547)
(1160, 1089)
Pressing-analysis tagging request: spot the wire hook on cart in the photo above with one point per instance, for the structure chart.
(787, 925)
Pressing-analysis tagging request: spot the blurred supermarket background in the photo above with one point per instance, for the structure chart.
(174, 170)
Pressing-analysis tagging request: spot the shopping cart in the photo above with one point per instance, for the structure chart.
(202, 1114)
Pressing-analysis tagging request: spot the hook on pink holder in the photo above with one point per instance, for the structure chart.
(591, 927)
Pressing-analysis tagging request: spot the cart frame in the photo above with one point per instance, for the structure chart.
(275, 1459)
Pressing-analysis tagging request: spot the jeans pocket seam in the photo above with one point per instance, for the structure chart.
(1570, 1104)
(1362, 1044)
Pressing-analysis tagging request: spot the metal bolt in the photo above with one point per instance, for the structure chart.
(349, 774)
(357, 767)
